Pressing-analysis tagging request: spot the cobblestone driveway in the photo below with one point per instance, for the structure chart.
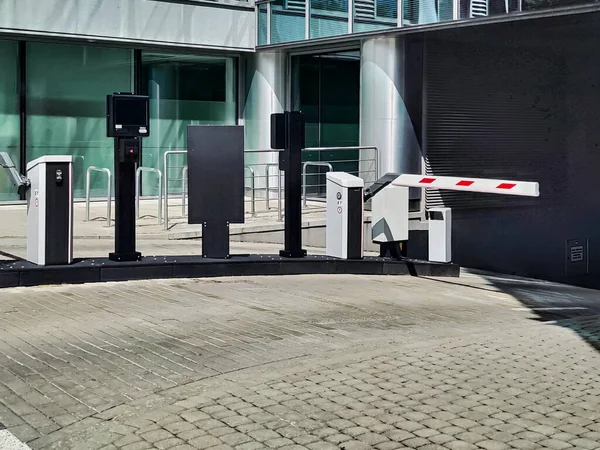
(302, 362)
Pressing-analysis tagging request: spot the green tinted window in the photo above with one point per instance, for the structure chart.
(9, 114)
(184, 90)
(66, 104)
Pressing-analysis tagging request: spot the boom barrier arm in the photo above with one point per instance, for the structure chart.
(490, 186)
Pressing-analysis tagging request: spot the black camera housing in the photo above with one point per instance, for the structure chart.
(127, 115)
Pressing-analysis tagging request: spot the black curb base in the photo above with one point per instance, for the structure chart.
(94, 270)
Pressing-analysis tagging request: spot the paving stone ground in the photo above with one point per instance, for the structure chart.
(305, 362)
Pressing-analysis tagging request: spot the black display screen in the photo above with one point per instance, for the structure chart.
(131, 112)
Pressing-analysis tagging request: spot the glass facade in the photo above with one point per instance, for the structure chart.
(328, 18)
(327, 89)
(66, 105)
(262, 24)
(9, 113)
(287, 21)
(184, 90)
(374, 15)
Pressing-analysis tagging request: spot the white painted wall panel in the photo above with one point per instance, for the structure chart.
(231, 25)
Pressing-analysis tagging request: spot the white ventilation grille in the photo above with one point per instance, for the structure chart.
(479, 8)
(364, 9)
(295, 5)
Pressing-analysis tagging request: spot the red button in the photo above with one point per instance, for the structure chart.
(130, 150)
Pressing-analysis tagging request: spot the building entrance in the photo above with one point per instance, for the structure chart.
(327, 89)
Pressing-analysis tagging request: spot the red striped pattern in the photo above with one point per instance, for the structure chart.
(505, 186)
(467, 183)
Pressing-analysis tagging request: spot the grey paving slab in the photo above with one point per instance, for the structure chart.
(301, 362)
(8, 441)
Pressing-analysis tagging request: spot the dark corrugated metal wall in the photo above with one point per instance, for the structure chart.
(493, 111)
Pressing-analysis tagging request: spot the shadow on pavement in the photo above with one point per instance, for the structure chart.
(571, 307)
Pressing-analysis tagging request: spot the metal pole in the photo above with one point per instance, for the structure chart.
(159, 196)
(304, 184)
(87, 193)
(166, 195)
(400, 13)
(253, 184)
(109, 198)
(279, 190)
(137, 192)
(253, 195)
(184, 173)
(267, 187)
(350, 16)
(307, 19)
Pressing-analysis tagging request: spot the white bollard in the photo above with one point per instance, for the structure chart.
(345, 203)
(440, 235)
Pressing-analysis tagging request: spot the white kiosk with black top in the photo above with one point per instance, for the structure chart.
(345, 201)
(50, 210)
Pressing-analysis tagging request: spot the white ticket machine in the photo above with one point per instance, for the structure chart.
(50, 210)
(440, 234)
(345, 202)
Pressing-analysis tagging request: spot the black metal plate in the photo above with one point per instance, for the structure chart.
(23, 273)
(216, 174)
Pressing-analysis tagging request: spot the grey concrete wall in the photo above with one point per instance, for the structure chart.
(226, 24)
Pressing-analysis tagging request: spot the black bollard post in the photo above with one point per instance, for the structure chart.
(288, 132)
(127, 153)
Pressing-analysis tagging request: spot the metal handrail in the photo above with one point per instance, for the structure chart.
(280, 175)
(138, 174)
(184, 177)
(356, 147)
(166, 183)
(280, 198)
(88, 173)
(253, 188)
(267, 186)
(279, 189)
(315, 164)
(334, 149)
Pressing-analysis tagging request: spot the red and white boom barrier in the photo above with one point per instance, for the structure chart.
(524, 188)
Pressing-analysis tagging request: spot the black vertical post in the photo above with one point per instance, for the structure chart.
(124, 207)
(294, 143)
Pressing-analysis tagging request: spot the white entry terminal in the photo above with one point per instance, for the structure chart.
(440, 234)
(50, 210)
(345, 202)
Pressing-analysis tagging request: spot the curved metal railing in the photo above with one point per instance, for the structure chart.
(88, 174)
(364, 173)
(138, 174)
